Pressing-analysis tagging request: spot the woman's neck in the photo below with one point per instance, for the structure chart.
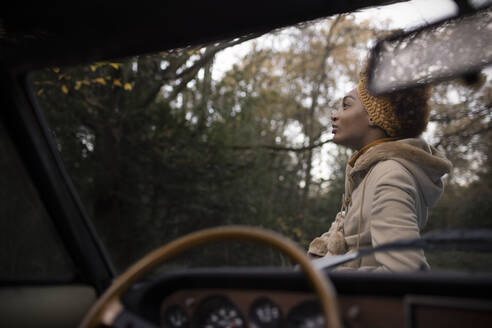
(366, 147)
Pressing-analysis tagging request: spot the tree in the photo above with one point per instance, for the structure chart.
(462, 122)
(120, 127)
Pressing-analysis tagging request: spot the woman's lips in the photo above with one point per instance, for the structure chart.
(334, 129)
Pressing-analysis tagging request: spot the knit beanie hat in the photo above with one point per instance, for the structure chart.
(380, 109)
(402, 114)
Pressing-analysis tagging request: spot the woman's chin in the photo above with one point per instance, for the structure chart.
(336, 140)
(342, 142)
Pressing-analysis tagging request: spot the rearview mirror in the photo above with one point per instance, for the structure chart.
(433, 53)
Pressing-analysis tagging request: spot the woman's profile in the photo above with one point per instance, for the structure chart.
(391, 181)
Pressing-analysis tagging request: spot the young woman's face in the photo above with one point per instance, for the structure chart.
(351, 122)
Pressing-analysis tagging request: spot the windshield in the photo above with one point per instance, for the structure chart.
(239, 132)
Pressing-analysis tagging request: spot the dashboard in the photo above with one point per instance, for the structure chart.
(270, 298)
(217, 308)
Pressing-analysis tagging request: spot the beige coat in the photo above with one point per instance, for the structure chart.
(389, 203)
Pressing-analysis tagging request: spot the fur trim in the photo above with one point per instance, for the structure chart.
(390, 150)
(318, 247)
(336, 243)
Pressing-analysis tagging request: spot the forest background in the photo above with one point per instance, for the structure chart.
(158, 147)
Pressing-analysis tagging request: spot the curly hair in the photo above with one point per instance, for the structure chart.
(412, 110)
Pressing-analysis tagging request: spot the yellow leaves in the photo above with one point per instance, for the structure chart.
(127, 86)
(95, 66)
(103, 81)
(298, 232)
(80, 83)
(99, 80)
(193, 51)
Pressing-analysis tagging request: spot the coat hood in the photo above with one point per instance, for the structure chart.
(425, 163)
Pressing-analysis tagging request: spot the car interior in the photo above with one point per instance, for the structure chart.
(59, 266)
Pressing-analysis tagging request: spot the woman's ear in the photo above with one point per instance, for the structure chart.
(375, 127)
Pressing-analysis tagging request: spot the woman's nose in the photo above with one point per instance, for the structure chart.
(334, 116)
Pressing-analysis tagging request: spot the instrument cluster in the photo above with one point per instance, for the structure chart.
(238, 309)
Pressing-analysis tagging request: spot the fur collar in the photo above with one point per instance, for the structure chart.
(407, 149)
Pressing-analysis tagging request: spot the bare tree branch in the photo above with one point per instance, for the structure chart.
(481, 130)
(188, 74)
(281, 148)
(446, 118)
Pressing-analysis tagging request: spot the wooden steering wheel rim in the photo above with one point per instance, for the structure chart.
(108, 306)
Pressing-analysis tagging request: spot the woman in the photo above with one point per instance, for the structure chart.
(390, 182)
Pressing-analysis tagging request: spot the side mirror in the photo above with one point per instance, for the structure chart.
(437, 52)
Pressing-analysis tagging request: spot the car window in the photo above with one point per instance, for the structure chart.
(30, 248)
(238, 132)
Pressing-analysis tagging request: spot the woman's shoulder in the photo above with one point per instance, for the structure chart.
(389, 166)
(395, 173)
(390, 171)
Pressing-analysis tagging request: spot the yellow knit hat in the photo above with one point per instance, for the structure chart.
(380, 109)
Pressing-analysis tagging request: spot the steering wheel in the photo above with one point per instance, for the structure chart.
(109, 306)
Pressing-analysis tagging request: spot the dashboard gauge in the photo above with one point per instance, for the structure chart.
(217, 312)
(263, 313)
(306, 315)
(175, 317)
